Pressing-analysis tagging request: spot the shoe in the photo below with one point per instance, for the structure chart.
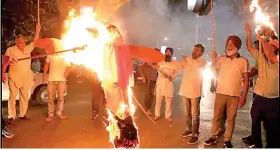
(11, 120)
(168, 119)
(248, 140)
(193, 140)
(210, 141)
(49, 118)
(156, 118)
(149, 112)
(25, 117)
(186, 134)
(228, 144)
(62, 117)
(6, 132)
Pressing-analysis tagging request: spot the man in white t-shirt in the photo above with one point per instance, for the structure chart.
(58, 72)
(231, 69)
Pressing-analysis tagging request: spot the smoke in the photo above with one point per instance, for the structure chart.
(148, 22)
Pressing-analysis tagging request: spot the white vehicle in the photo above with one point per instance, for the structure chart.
(38, 92)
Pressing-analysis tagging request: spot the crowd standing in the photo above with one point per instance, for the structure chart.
(232, 73)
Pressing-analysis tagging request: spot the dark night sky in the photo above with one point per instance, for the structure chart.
(144, 22)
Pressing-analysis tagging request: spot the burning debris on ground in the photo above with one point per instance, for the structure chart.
(128, 133)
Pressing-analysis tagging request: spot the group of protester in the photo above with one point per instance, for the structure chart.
(231, 70)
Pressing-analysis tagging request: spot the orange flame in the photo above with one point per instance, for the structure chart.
(76, 35)
(261, 18)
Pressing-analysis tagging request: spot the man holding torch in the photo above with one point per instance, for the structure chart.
(19, 75)
(266, 104)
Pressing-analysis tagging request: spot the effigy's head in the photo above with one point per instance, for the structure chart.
(115, 34)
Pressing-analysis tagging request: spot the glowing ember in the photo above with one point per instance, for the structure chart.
(264, 25)
(86, 30)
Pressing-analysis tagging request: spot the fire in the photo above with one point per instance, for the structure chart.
(262, 20)
(79, 32)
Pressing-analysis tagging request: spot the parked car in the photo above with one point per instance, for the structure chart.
(38, 91)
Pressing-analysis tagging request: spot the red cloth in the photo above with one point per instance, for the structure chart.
(50, 45)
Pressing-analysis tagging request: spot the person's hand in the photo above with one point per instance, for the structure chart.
(185, 58)
(144, 81)
(4, 79)
(241, 101)
(38, 27)
(261, 38)
(170, 78)
(214, 55)
(155, 66)
(248, 28)
(274, 43)
(212, 88)
(44, 79)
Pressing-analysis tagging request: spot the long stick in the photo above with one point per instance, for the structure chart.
(213, 27)
(43, 55)
(149, 117)
(243, 7)
(38, 10)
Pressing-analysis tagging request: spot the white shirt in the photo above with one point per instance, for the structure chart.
(191, 85)
(20, 72)
(230, 74)
(165, 87)
(57, 68)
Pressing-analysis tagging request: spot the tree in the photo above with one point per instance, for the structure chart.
(22, 15)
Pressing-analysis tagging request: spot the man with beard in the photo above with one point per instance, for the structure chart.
(231, 69)
(266, 104)
(191, 89)
(164, 85)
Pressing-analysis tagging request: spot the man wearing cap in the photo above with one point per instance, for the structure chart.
(266, 104)
(149, 77)
(164, 85)
(230, 71)
(19, 75)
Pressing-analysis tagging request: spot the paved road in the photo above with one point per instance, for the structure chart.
(79, 131)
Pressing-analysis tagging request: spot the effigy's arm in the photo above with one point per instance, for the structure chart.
(145, 53)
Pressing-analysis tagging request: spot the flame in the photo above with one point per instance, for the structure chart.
(261, 19)
(77, 34)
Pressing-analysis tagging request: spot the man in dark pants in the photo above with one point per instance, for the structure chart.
(5, 130)
(98, 97)
(266, 105)
(149, 77)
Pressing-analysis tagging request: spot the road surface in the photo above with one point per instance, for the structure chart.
(79, 131)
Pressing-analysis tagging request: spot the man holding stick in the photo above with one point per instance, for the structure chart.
(266, 104)
(231, 69)
(19, 75)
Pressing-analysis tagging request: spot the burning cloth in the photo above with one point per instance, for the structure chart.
(116, 81)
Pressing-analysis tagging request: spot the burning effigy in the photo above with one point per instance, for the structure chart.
(106, 55)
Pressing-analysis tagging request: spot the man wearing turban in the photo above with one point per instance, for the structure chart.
(230, 71)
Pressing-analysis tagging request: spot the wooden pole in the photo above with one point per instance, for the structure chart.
(38, 10)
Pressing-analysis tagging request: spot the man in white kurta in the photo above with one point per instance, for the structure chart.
(164, 85)
(191, 90)
(20, 77)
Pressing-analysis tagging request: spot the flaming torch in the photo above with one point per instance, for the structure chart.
(111, 64)
(264, 28)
